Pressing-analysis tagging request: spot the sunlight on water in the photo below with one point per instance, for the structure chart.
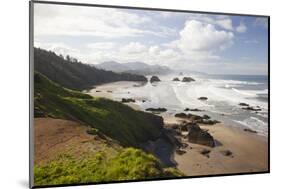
(224, 96)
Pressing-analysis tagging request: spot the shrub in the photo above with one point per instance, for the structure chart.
(128, 164)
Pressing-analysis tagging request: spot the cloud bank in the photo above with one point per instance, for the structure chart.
(95, 35)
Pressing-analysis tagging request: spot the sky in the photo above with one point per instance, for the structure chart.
(216, 44)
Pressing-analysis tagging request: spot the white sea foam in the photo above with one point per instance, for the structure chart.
(245, 93)
(223, 98)
(234, 82)
(254, 124)
(187, 94)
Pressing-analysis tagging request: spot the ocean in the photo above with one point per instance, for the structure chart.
(224, 93)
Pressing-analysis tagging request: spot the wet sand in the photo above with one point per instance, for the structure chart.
(249, 150)
(106, 90)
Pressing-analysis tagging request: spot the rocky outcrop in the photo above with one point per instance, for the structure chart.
(205, 152)
(208, 122)
(193, 109)
(205, 119)
(243, 104)
(127, 100)
(187, 79)
(250, 108)
(156, 109)
(250, 130)
(185, 126)
(176, 79)
(246, 106)
(181, 115)
(227, 153)
(154, 79)
(202, 98)
(194, 118)
(199, 136)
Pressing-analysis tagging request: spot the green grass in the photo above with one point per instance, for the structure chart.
(106, 117)
(129, 164)
(111, 118)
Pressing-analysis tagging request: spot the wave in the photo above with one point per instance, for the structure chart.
(255, 124)
(261, 92)
(223, 90)
(248, 93)
(234, 82)
(227, 86)
(253, 93)
(223, 98)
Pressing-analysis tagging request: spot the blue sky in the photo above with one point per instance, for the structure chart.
(219, 44)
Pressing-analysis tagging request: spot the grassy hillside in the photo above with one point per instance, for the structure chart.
(73, 74)
(103, 159)
(128, 164)
(114, 119)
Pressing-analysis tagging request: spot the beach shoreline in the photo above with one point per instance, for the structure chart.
(249, 151)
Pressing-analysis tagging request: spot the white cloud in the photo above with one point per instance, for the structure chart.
(197, 42)
(198, 45)
(64, 49)
(225, 23)
(197, 36)
(154, 49)
(101, 45)
(134, 48)
(62, 20)
(59, 48)
(242, 28)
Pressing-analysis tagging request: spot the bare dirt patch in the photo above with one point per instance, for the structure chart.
(57, 137)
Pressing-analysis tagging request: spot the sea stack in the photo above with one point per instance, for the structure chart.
(202, 98)
(154, 79)
(187, 79)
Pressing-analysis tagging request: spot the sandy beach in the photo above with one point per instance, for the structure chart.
(249, 151)
(107, 90)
